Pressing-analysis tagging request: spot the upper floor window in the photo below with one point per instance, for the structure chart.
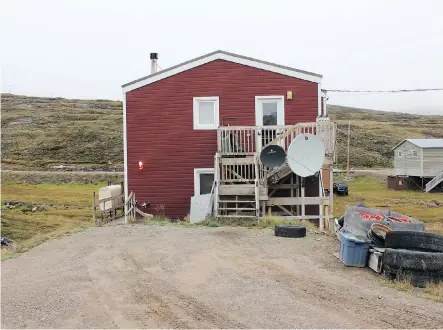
(399, 154)
(206, 112)
(414, 153)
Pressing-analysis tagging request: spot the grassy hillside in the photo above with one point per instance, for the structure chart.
(375, 133)
(38, 133)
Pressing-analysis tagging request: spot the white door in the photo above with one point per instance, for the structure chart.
(269, 111)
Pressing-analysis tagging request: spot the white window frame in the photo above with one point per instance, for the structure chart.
(414, 153)
(399, 153)
(280, 109)
(196, 112)
(197, 172)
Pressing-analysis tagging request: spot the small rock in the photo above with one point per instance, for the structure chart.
(379, 297)
(34, 209)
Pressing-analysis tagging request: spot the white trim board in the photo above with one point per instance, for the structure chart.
(197, 172)
(259, 100)
(196, 112)
(125, 154)
(280, 109)
(221, 55)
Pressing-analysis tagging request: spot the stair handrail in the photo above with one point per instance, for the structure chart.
(211, 199)
(435, 181)
(299, 126)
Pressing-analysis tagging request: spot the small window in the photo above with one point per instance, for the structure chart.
(206, 112)
(414, 153)
(399, 154)
(203, 181)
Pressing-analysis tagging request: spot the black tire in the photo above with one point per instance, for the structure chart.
(414, 240)
(417, 278)
(341, 220)
(377, 240)
(285, 230)
(413, 260)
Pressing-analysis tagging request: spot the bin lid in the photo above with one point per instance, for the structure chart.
(355, 237)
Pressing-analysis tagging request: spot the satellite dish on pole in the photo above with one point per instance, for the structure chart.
(306, 155)
(272, 156)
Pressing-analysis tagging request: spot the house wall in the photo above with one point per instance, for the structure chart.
(432, 161)
(407, 163)
(160, 130)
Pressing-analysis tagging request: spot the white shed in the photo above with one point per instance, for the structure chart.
(419, 157)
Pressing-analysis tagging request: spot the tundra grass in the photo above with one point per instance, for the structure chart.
(427, 207)
(70, 213)
(434, 291)
(401, 285)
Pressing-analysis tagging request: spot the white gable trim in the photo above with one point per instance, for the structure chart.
(221, 56)
(125, 155)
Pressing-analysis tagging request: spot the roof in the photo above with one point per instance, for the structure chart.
(222, 55)
(424, 143)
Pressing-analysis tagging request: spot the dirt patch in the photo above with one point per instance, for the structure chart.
(177, 277)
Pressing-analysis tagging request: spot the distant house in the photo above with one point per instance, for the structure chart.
(198, 127)
(419, 162)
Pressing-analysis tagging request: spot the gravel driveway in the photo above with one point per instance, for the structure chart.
(178, 277)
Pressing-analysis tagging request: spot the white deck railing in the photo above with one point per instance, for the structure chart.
(248, 140)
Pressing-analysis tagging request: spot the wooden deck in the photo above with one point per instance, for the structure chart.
(245, 187)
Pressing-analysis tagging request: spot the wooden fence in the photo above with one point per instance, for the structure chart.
(102, 215)
(131, 208)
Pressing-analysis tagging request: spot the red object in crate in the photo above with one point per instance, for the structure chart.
(395, 219)
(381, 217)
(372, 217)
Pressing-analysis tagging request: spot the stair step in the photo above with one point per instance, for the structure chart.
(239, 202)
(237, 208)
(236, 216)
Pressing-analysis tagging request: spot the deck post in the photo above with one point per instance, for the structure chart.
(331, 194)
(93, 207)
(303, 183)
(320, 206)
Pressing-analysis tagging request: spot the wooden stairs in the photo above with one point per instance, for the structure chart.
(434, 182)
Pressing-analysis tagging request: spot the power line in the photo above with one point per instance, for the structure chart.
(384, 91)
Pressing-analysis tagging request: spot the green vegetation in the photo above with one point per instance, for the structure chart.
(268, 222)
(434, 291)
(38, 133)
(426, 207)
(375, 133)
(401, 285)
(65, 209)
(59, 177)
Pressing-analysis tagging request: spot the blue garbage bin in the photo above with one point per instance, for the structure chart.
(354, 249)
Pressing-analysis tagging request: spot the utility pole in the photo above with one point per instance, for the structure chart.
(349, 140)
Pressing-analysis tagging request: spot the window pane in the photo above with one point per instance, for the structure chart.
(206, 181)
(206, 113)
(269, 113)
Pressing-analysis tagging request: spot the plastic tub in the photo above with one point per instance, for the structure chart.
(353, 249)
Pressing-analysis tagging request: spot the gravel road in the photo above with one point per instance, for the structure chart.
(135, 276)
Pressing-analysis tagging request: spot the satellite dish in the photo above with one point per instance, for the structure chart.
(272, 156)
(306, 154)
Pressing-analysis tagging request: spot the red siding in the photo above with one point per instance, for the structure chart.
(160, 125)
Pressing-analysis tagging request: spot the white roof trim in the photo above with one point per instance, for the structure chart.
(221, 55)
(423, 143)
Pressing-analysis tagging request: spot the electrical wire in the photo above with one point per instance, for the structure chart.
(384, 91)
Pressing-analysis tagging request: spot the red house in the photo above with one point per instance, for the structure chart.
(177, 122)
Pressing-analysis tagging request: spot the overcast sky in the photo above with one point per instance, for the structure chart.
(88, 49)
